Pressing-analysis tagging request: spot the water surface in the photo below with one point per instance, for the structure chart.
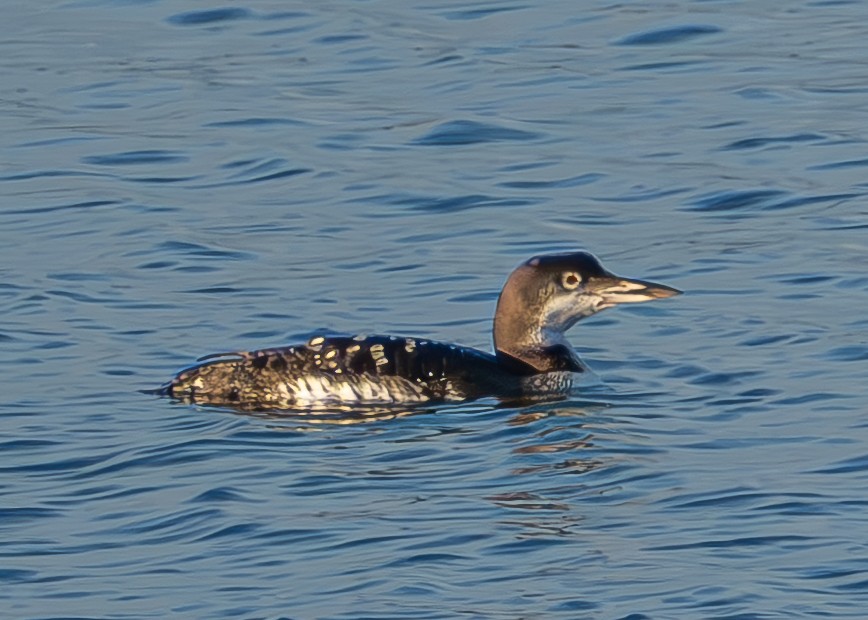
(179, 180)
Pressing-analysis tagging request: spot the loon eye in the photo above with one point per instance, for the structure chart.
(571, 280)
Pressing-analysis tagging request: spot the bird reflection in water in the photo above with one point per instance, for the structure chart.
(314, 418)
(551, 511)
(337, 414)
(568, 446)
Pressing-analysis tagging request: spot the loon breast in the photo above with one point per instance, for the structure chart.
(339, 369)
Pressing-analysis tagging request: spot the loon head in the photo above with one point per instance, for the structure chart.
(547, 295)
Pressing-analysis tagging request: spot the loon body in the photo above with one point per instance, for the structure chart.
(543, 298)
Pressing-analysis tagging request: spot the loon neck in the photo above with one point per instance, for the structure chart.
(521, 337)
(536, 360)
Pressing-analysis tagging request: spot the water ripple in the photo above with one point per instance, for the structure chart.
(758, 143)
(576, 181)
(134, 158)
(666, 36)
(77, 206)
(838, 165)
(456, 133)
(210, 16)
(738, 200)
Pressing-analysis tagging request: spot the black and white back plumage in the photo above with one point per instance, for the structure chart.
(361, 369)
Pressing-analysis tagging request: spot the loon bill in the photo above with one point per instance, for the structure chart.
(543, 298)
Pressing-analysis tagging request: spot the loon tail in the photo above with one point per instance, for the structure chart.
(163, 390)
(215, 381)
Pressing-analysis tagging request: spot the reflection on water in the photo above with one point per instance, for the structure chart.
(565, 435)
(331, 415)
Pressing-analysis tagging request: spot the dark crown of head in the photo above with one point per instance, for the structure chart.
(584, 263)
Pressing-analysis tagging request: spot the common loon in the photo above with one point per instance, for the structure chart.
(543, 298)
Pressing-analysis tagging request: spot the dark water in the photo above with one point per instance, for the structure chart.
(179, 180)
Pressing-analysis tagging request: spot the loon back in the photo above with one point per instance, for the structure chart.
(361, 370)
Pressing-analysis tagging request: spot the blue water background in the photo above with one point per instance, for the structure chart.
(178, 179)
